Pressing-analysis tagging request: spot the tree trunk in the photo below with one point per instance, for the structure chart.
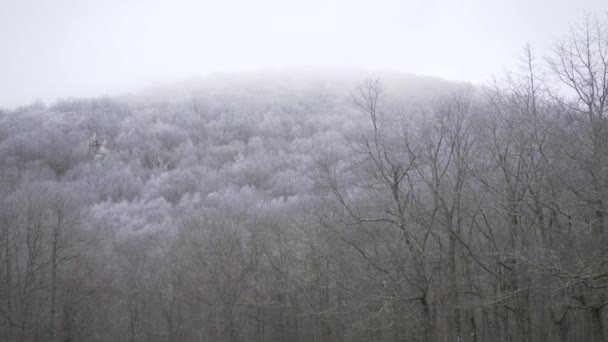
(53, 290)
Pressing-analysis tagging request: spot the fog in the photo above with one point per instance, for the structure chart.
(64, 48)
(314, 172)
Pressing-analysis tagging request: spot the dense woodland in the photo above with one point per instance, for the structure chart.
(335, 206)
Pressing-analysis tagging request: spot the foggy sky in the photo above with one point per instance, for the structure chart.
(66, 48)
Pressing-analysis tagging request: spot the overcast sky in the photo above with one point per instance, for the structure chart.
(65, 48)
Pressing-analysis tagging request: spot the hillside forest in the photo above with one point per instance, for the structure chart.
(321, 206)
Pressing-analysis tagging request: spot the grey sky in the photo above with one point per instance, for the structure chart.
(67, 48)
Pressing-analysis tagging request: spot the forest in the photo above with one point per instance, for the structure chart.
(330, 206)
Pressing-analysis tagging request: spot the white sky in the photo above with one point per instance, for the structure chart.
(67, 48)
